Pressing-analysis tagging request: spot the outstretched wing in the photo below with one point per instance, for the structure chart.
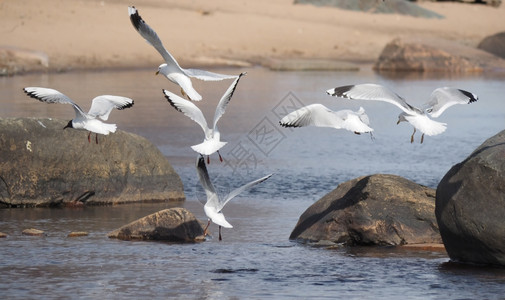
(221, 106)
(188, 109)
(445, 97)
(311, 115)
(239, 190)
(150, 36)
(103, 105)
(371, 91)
(53, 96)
(207, 75)
(203, 176)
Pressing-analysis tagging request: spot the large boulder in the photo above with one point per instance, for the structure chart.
(171, 225)
(434, 55)
(372, 210)
(470, 205)
(43, 165)
(494, 44)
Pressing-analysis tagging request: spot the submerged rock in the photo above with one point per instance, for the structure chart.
(171, 225)
(3, 235)
(43, 165)
(33, 232)
(470, 205)
(434, 55)
(372, 210)
(77, 234)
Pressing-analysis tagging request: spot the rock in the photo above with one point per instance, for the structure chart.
(494, 44)
(15, 61)
(33, 232)
(3, 235)
(43, 165)
(173, 225)
(470, 205)
(374, 6)
(372, 210)
(435, 55)
(77, 234)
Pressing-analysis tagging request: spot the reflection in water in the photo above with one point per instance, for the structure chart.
(255, 260)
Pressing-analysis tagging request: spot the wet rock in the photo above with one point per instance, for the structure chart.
(373, 6)
(372, 210)
(494, 44)
(43, 165)
(171, 225)
(3, 235)
(16, 61)
(435, 55)
(470, 205)
(33, 232)
(77, 234)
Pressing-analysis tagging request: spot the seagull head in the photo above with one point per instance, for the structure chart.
(162, 69)
(69, 125)
(401, 118)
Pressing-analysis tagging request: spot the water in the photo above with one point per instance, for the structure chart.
(255, 259)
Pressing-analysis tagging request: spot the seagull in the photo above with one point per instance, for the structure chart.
(321, 116)
(212, 142)
(213, 207)
(101, 107)
(171, 68)
(440, 99)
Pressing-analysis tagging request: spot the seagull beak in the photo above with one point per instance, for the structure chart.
(398, 122)
(157, 72)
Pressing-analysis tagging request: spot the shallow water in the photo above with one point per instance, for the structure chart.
(255, 259)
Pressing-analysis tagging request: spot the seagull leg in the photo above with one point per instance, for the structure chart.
(89, 139)
(206, 227)
(208, 159)
(96, 138)
(422, 138)
(412, 137)
(220, 237)
(220, 158)
(184, 94)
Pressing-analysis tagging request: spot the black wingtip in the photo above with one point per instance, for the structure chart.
(340, 91)
(200, 163)
(32, 94)
(135, 18)
(127, 105)
(170, 100)
(471, 97)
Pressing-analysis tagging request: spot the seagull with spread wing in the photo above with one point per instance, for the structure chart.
(100, 108)
(440, 99)
(171, 68)
(212, 142)
(214, 206)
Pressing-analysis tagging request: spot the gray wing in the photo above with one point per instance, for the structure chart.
(103, 105)
(221, 106)
(206, 75)
(371, 91)
(53, 96)
(150, 36)
(312, 115)
(203, 176)
(239, 190)
(188, 109)
(445, 97)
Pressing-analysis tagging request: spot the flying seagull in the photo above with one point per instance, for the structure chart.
(440, 99)
(100, 108)
(171, 68)
(214, 206)
(321, 116)
(212, 142)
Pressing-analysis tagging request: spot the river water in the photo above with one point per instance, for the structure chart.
(255, 259)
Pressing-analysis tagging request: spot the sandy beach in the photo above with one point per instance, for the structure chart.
(98, 34)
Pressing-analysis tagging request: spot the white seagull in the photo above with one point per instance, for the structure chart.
(321, 116)
(212, 142)
(214, 206)
(101, 107)
(171, 68)
(440, 99)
